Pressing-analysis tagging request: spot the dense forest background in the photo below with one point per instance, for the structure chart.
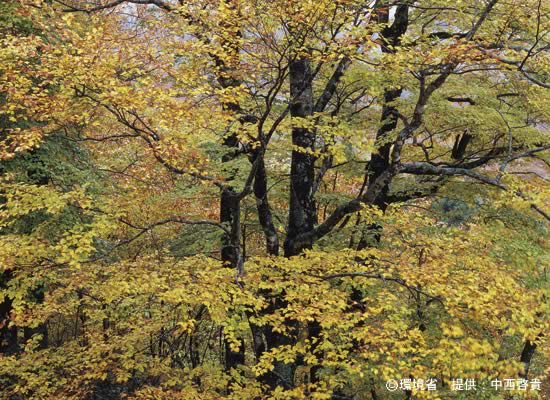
(286, 199)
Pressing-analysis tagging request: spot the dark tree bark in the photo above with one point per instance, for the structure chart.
(264, 210)
(8, 334)
(230, 211)
(460, 145)
(526, 356)
(380, 159)
(302, 216)
(230, 199)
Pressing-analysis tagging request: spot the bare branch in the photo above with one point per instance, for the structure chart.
(158, 3)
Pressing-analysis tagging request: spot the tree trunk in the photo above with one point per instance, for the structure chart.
(380, 159)
(265, 215)
(302, 215)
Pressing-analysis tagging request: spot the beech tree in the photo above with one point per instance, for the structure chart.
(281, 200)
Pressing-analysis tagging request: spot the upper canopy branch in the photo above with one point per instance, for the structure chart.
(158, 3)
(148, 134)
(381, 277)
(423, 168)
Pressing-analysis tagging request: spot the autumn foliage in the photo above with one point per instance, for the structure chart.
(287, 199)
